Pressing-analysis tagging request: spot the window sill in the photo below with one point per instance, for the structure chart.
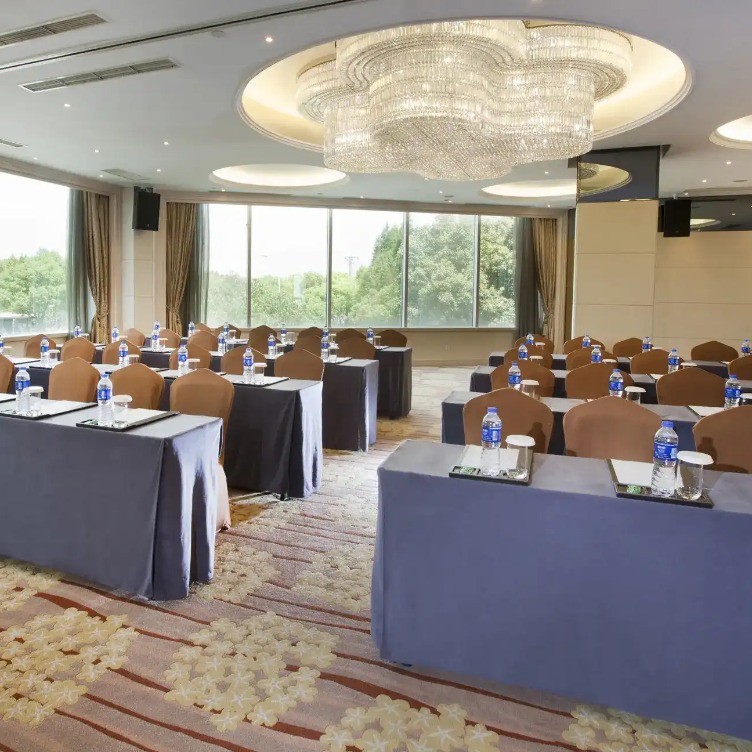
(24, 337)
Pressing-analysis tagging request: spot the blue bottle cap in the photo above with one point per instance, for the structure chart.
(493, 410)
(732, 376)
(514, 362)
(667, 424)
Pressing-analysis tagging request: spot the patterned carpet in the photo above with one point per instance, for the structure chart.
(275, 655)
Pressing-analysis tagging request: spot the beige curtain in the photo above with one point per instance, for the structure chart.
(181, 237)
(545, 245)
(97, 250)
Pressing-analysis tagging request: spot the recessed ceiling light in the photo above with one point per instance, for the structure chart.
(158, 169)
(66, 105)
(166, 143)
(733, 214)
(223, 190)
(101, 176)
(686, 193)
(546, 172)
(704, 181)
(441, 191)
(268, 39)
(361, 196)
(728, 162)
(35, 158)
(96, 151)
(548, 206)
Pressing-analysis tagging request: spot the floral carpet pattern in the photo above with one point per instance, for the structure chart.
(276, 654)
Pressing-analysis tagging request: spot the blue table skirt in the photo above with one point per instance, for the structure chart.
(559, 361)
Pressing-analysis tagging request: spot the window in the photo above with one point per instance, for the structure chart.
(33, 256)
(496, 282)
(366, 268)
(228, 265)
(441, 269)
(288, 266)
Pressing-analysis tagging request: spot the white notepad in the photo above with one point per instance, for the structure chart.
(632, 473)
(704, 411)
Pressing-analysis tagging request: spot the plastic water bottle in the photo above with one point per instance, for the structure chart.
(226, 328)
(514, 377)
(490, 459)
(326, 333)
(271, 347)
(104, 401)
(596, 356)
(673, 361)
(248, 366)
(646, 345)
(191, 329)
(283, 334)
(123, 355)
(115, 335)
(157, 327)
(182, 358)
(733, 393)
(76, 331)
(665, 449)
(530, 340)
(325, 346)
(44, 351)
(616, 384)
(155, 341)
(746, 350)
(369, 335)
(2, 344)
(522, 352)
(222, 343)
(586, 341)
(23, 401)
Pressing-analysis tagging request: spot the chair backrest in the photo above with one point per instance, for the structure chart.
(309, 342)
(232, 361)
(591, 381)
(355, 347)
(742, 368)
(727, 438)
(651, 361)
(205, 339)
(611, 428)
(144, 386)
(314, 330)
(173, 338)
(714, 350)
(74, 380)
(575, 342)
(520, 415)
(78, 347)
(31, 348)
(544, 376)
(136, 336)
(626, 348)
(194, 351)
(203, 392)
(110, 354)
(348, 334)
(258, 339)
(514, 354)
(263, 329)
(203, 328)
(691, 386)
(6, 374)
(543, 342)
(583, 356)
(300, 364)
(392, 338)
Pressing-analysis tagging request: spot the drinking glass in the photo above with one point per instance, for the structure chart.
(536, 357)
(613, 361)
(747, 398)
(529, 387)
(120, 404)
(193, 364)
(258, 373)
(689, 478)
(233, 335)
(524, 446)
(333, 352)
(377, 341)
(133, 359)
(162, 344)
(634, 393)
(35, 400)
(688, 364)
(54, 358)
(290, 338)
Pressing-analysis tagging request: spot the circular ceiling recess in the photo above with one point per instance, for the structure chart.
(734, 135)
(598, 178)
(277, 176)
(697, 222)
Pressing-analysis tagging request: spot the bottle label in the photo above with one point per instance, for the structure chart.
(21, 385)
(673, 361)
(733, 393)
(646, 345)
(522, 355)
(247, 362)
(665, 451)
(514, 379)
(491, 435)
(615, 386)
(182, 357)
(596, 358)
(104, 394)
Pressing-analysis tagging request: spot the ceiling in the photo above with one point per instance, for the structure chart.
(122, 124)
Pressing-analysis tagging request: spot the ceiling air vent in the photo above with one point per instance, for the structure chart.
(131, 177)
(4, 142)
(50, 29)
(105, 74)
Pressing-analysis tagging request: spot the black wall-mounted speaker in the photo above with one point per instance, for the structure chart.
(145, 210)
(676, 216)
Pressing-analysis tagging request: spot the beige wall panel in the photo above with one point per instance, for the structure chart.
(619, 227)
(625, 279)
(725, 322)
(708, 285)
(611, 323)
(143, 318)
(457, 348)
(706, 250)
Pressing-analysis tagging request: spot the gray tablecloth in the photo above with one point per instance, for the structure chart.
(713, 366)
(395, 381)
(565, 588)
(134, 511)
(559, 361)
(453, 431)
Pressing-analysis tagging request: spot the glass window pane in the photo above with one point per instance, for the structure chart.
(228, 265)
(33, 256)
(498, 258)
(440, 270)
(288, 266)
(366, 268)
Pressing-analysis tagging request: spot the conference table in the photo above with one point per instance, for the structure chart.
(559, 361)
(133, 511)
(453, 429)
(565, 588)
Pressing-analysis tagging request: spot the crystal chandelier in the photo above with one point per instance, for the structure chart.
(462, 100)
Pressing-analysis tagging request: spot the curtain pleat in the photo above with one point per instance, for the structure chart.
(545, 244)
(181, 239)
(196, 298)
(527, 303)
(78, 283)
(96, 209)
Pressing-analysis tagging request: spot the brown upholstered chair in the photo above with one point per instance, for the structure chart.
(143, 385)
(546, 361)
(204, 339)
(355, 347)
(392, 338)
(300, 364)
(173, 338)
(742, 368)
(520, 415)
(263, 329)
(232, 362)
(310, 343)
(691, 386)
(78, 347)
(314, 330)
(258, 339)
(348, 334)
(626, 348)
(575, 342)
(541, 341)
(583, 356)
(74, 380)
(727, 438)
(714, 350)
(652, 361)
(194, 351)
(136, 336)
(611, 428)
(31, 348)
(6, 374)
(203, 328)
(111, 356)
(529, 370)
(591, 381)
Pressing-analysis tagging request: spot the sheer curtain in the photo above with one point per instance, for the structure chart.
(181, 239)
(96, 208)
(545, 244)
(196, 297)
(527, 294)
